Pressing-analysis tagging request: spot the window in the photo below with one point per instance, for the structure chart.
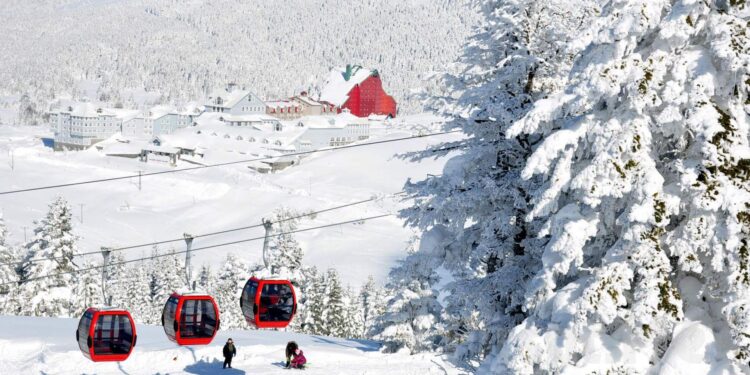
(276, 303)
(197, 319)
(113, 335)
(83, 330)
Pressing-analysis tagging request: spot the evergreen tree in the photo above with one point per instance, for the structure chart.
(137, 298)
(229, 283)
(372, 302)
(206, 280)
(354, 319)
(335, 312)
(603, 195)
(167, 275)
(311, 316)
(7, 258)
(285, 253)
(412, 317)
(117, 280)
(48, 271)
(88, 289)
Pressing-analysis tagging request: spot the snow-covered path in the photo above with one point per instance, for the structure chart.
(47, 346)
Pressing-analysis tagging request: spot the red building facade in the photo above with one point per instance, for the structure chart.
(360, 91)
(369, 98)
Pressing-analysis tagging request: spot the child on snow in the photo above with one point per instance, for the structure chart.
(295, 358)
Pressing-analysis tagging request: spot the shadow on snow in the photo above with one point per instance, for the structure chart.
(203, 367)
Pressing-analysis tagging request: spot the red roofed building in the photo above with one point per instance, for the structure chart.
(360, 91)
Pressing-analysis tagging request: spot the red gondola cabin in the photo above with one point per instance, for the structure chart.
(268, 303)
(106, 335)
(190, 318)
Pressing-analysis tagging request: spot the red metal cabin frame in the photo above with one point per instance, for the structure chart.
(172, 324)
(252, 312)
(95, 333)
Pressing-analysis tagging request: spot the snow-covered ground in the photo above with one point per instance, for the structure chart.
(118, 214)
(47, 346)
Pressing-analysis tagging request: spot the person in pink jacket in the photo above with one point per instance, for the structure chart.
(295, 358)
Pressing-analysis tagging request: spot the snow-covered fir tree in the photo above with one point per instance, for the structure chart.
(117, 281)
(372, 300)
(48, 269)
(285, 253)
(354, 318)
(8, 257)
(310, 319)
(206, 279)
(412, 319)
(230, 280)
(335, 313)
(88, 288)
(598, 219)
(166, 276)
(137, 298)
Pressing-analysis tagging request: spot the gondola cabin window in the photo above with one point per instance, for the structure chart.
(276, 303)
(83, 331)
(113, 335)
(170, 313)
(199, 319)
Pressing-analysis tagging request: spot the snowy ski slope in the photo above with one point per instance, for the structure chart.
(47, 346)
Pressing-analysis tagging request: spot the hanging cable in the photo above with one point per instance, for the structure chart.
(87, 182)
(360, 220)
(303, 215)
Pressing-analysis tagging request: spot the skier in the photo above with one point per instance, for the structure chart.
(229, 352)
(295, 358)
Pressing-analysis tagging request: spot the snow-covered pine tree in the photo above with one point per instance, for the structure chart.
(117, 280)
(609, 211)
(335, 313)
(232, 276)
(412, 317)
(372, 302)
(88, 289)
(206, 279)
(137, 298)
(476, 209)
(311, 318)
(644, 157)
(285, 253)
(354, 321)
(8, 256)
(48, 278)
(167, 275)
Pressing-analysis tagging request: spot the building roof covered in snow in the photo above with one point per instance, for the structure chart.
(93, 110)
(341, 81)
(227, 98)
(339, 121)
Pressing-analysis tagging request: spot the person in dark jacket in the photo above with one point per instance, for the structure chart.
(229, 352)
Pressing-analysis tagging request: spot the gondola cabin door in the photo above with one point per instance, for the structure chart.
(268, 303)
(106, 335)
(190, 319)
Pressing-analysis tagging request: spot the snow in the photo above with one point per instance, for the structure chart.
(47, 345)
(119, 214)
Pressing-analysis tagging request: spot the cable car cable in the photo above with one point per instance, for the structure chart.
(87, 182)
(205, 234)
(17, 282)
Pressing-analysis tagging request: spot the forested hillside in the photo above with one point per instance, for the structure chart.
(173, 51)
